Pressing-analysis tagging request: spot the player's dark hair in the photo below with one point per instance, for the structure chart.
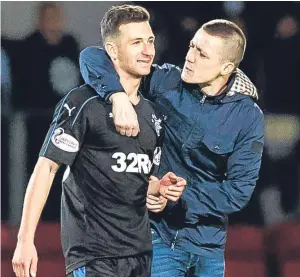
(118, 15)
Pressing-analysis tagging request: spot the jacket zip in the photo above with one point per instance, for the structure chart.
(174, 241)
(203, 99)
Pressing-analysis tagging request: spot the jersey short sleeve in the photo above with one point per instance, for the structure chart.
(66, 132)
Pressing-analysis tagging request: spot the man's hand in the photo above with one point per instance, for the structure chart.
(25, 259)
(156, 204)
(125, 118)
(171, 186)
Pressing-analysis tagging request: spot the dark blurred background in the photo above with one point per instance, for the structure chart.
(40, 44)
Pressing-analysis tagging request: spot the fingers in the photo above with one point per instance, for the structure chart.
(33, 267)
(151, 199)
(127, 123)
(129, 131)
(156, 204)
(122, 131)
(173, 193)
(26, 267)
(153, 178)
(118, 128)
(135, 130)
(175, 189)
(181, 182)
(172, 198)
(21, 269)
(17, 270)
(170, 176)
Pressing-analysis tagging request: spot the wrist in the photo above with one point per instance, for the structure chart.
(26, 238)
(154, 187)
(117, 95)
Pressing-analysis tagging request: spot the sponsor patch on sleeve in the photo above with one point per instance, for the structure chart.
(64, 141)
(257, 147)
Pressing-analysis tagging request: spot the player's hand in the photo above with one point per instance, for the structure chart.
(156, 204)
(125, 118)
(25, 259)
(171, 186)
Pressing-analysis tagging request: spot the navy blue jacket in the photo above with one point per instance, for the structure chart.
(215, 143)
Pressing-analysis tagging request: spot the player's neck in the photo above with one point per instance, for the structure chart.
(131, 85)
(215, 87)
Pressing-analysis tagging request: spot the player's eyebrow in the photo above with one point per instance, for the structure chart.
(151, 37)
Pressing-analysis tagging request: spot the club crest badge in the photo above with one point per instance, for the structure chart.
(157, 123)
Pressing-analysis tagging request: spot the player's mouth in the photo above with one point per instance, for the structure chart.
(144, 61)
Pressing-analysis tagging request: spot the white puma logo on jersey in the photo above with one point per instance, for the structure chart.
(68, 108)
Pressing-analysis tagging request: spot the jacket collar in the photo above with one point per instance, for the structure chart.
(243, 85)
(239, 86)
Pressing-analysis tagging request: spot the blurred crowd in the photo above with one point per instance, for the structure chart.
(38, 70)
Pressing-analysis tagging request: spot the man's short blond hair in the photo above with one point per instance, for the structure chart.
(233, 36)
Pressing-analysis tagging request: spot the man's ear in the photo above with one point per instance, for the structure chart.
(111, 49)
(227, 68)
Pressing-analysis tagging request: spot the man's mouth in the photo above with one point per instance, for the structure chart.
(187, 68)
(144, 61)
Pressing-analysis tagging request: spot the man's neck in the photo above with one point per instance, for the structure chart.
(216, 87)
(131, 85)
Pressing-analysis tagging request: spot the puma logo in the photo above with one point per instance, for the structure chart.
(68, 108)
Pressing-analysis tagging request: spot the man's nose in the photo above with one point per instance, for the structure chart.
(190, 56)
(147, 49)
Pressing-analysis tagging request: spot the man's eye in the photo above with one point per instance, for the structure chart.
(136, 42)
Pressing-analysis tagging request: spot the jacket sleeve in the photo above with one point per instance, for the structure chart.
(231, 195)
(98, 71)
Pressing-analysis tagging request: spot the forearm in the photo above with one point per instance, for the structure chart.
(35, 198)
(219, 199)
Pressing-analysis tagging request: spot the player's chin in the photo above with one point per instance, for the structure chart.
(144, 71)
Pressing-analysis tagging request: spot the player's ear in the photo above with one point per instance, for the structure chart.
(111, 49)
